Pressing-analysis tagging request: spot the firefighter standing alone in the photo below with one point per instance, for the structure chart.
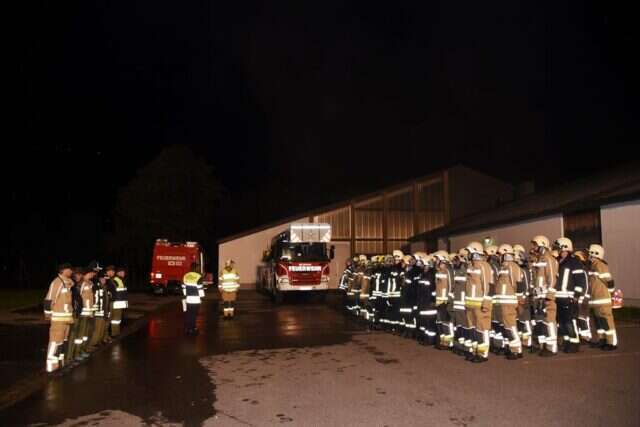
(193, 292)
(228, 286)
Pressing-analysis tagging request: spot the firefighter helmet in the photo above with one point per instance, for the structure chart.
(362, 258)
(596, 251)
(563, 244)
(420, 255)
(475, 248)
(409, 260)
(617, 299)
(491, 250)
(441, 255)
(229, 262)
(506, 249)
(519, 248)
(540, 241)
(398, 254)
(389, 260)
(581, 255)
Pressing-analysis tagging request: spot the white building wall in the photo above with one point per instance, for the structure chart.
(621, 241)
(519, 232)
(247, 251)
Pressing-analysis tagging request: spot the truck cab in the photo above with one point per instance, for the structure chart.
(298, 260)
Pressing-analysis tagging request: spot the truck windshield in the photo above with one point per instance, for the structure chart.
(304, 252)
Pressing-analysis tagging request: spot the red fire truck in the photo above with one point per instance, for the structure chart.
(171, 261)
(297, 261)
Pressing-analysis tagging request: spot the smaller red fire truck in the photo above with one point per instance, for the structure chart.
(298, 261)
(171, 261)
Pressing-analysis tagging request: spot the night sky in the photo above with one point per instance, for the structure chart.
(309, 102)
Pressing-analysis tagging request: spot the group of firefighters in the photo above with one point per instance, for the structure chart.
(489, 299)
(85, 307)
(193, 292)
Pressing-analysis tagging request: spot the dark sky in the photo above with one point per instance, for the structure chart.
(323, 97)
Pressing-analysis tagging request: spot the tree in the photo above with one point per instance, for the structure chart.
(175, 196)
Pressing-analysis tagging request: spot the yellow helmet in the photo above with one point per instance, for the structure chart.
(519, 248)
(191, 278)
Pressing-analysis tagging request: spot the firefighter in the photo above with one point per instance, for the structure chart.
(461, 325)
(444, 291)
(119, 303)
(376, 293)
(602, 285)
(86, 315)
(228, 286)
(427, 312)
(510, 279)
(58, 309)
(73, 342)
(383, 306)
(496, 334)
(101, 312)
(524, 295)
(365, 291)
(351, 294)
(356, 287)
(584, 315)
(478, 302)
(545, 278)
(345, 281)
(192, 292)
(408, 298)
(572, 280)
(395, 281)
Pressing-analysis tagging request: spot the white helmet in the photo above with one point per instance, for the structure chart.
(540, 241)
(441, 255)
(362, 258)
(491, 250)
(519, 248)
(407, 259)
(475, 248)
(229, 262)
(505, 249)
(398, 254)
(420, 256)
(564, 244)
(596, 251)
(428, 260)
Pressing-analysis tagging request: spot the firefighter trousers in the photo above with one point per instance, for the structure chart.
(481, 322)
(524, 323)
(116, 321)
(568, 321)
(605, 325)
(190, 316)
(98, 333)
(584, 321)
(394, 312)
(74, 341)
(427, 331)
(508, 316)
(462, 329)
(496, 335)
(444, 326)
(58, 332)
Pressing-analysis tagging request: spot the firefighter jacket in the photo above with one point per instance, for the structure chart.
(524, 287)
(459, 287)
(100, 300)
(409, 289)
(229, 280)
(58, 305)
(394, 283)
(120, 296)
(600, 283)
(356, 284)
(426, 291)
(192, 288)
(444, 283)
(479, 280)
(545, 275)
(365, 283)
(376, 282)
(510, 278)
(346, 278)
(88, 302)
(572, 278)
(76, 299)
(385, 279)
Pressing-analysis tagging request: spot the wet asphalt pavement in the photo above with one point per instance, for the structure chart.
(156, 370)
(305, 363)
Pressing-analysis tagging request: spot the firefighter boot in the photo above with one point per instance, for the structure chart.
(52, 358)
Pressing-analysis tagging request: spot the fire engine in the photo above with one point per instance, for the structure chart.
(297, 261)
(171, 261)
